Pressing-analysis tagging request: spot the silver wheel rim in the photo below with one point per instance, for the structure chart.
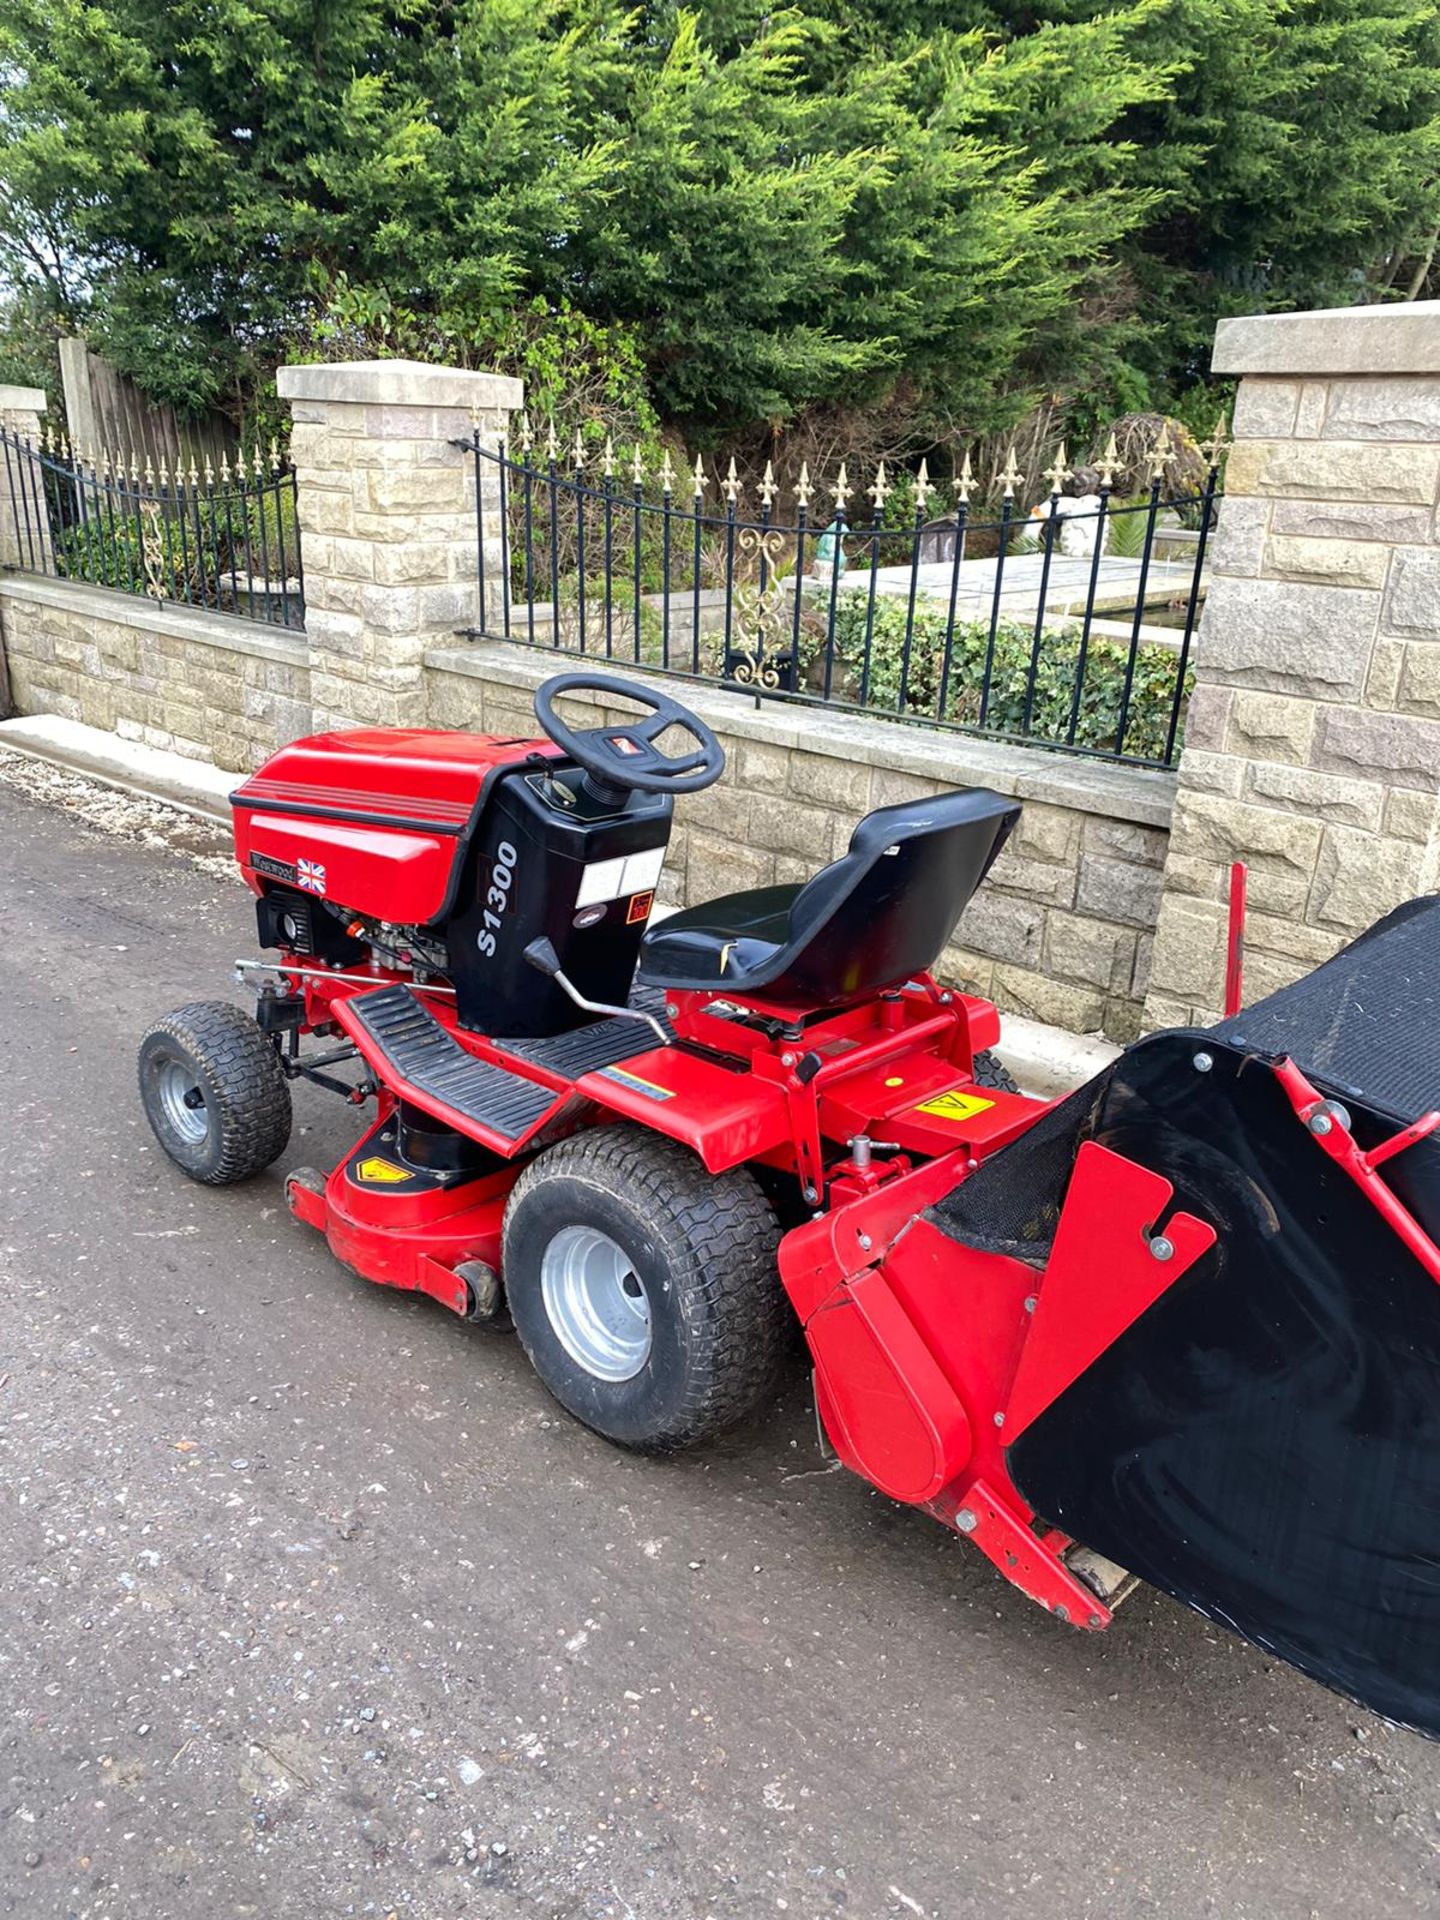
(182, 1102)
(596, 1303)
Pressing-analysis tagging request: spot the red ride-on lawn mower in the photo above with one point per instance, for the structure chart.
(1188, 1317)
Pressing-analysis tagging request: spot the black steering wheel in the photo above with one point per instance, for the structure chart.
(625, 758)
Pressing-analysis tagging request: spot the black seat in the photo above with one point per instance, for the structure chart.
(874, 919)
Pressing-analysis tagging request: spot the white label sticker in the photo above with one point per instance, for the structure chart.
(616, 879)
(642, 871)
(601, 880)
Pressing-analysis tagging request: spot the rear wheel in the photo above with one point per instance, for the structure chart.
(991, 1072)
(644, 1289)
(214, 1092)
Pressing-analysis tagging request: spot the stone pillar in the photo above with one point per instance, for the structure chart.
(24, 528)
(1313, 740)
(386, 503)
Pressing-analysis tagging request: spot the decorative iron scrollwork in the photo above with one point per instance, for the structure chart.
(761, 613)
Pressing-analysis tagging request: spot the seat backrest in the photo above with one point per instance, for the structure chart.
(881, 914)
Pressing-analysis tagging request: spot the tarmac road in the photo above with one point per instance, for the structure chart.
(311, 1604)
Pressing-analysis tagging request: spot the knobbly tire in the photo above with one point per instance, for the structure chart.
(214, 1092)
(990, 1073)
(613, 1210)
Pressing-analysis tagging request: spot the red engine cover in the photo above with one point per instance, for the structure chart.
(376, 819)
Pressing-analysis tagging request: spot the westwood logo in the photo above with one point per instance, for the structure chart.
(310, 874)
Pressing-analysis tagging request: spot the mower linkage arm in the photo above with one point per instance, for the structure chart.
(1328, 1122)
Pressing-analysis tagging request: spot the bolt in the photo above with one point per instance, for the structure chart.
(1062, 1613)
(946, 998)
(810, 1195)
(1321, 1123)
(864, 1243)
(787, 1059)
(1094, 1620)
(1203, 1062)
(966, 1521)
(999, 1419)
(1161, 1248)
(1031, 1303)
(671, 1010)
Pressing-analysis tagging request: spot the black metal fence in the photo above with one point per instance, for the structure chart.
(228, 540)
(1069, 625)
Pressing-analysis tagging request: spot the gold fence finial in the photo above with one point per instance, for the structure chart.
(732, 482)
(1214, 448)
(552, 445)
(1010, 476)
(1159, 454)
(607, 460)
(802, 485)
(667, 472)
(527, 439)
(699, 476)
(209, 472)
(637, 467)
(257, 462)
(1060, 472)
(768, 489)
(224, 468)
(964, 483)
(1109, 461)
(880, 491)
(195, 474)
(274, 456)
(579, 455)
(923, 490)
(841, 489)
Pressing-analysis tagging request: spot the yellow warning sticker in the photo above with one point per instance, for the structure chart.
(955, 1105)
(623, 1078)
(376, 1172)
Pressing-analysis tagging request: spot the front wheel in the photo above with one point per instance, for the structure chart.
(214, 1092)
(644, 1289)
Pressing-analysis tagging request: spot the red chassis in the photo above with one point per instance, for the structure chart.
(1040, 1322)
(911, 1396)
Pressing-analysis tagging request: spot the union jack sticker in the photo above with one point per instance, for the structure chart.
(310, 874)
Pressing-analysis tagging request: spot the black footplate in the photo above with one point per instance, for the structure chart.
(435, 1064)
(585, 1049)
(603, 1043)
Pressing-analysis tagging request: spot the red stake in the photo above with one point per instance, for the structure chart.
(1235, 940)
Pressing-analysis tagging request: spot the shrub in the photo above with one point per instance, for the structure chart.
(140, 548)
(889, 673)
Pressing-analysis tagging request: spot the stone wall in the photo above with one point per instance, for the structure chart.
(1060, 932)
(23, 541)
(207, 685)
(1313, 739)
(386, 503)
